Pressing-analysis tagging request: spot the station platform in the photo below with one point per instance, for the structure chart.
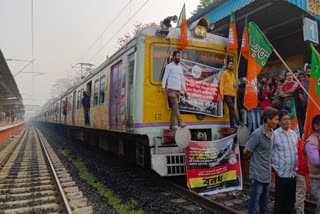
(6, 130)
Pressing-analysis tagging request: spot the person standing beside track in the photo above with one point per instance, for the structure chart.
(284, 163)
(259, 146)
(312, 149)
(228, 90)
(174, 76)
(86, 108)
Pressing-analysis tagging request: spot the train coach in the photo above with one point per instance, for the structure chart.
(130, 116)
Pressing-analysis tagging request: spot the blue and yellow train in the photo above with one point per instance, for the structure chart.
(127, 106)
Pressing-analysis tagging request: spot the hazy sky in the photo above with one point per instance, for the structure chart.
(64, 30)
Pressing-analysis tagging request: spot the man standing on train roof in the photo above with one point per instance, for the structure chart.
(228, 90)
(86, 108)
(259, 147)
(173, 75)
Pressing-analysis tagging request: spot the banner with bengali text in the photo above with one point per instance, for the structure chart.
(202, 83)
(213, 166)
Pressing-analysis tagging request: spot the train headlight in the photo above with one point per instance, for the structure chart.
(200, 32)
(201, 27)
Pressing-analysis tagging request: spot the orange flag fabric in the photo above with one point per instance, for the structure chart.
(233, 39)
(259, 51)
(245, 40)
(312, 110)
(182, 22)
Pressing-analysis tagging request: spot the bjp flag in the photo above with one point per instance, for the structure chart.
(233, 40)
(245, 43)
(182, 22)
(259, 51)
(314, 82)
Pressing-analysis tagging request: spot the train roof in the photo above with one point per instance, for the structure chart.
(174, 33)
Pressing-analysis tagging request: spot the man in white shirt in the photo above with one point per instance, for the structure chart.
(173, 75)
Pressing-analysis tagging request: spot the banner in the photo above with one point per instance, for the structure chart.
(202, 83)
(213, 166)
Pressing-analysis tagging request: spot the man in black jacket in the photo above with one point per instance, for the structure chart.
(86, 108)
(240, 100)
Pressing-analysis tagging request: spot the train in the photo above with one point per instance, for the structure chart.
(129, 115)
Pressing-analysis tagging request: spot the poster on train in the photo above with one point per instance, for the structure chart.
(202, 83)
(213, 166)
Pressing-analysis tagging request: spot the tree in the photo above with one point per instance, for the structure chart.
(203, 4)
(60, 86)
(137, 27)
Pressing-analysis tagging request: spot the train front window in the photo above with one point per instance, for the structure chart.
(163, 55)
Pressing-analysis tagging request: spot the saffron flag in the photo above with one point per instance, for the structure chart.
(244, 44)
(233, 40)
(260, 50)
(312, 109)
(182, 23)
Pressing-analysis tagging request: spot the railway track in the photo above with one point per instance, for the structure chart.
(229, 202)
(33, 180)
(203, 201)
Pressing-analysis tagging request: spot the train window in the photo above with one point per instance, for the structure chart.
(162, 56)
(96, 93)
(102, 89)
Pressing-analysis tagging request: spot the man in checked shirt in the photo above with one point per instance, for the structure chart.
(174, 76)
(284, 163)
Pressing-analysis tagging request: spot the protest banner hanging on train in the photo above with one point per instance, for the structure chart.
(213, 166)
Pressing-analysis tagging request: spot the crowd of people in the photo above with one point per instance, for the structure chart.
(277, 93)
(274, 146)
(9, 117)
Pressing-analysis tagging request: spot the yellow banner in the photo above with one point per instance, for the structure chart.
(210, 181)
(313, 6)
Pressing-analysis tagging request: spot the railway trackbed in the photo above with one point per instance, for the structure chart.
(33, 180)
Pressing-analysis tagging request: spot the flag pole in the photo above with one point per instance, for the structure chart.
(296, 79)
(237, 73)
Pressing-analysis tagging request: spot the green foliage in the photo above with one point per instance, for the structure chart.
(113, 199)
(203, 4)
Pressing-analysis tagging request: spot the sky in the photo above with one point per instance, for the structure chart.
(65, 32)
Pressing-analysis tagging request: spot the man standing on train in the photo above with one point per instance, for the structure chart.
(228, 90)
(173, 75)
(86, 108)
(259, 147)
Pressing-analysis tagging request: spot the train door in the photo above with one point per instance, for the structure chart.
(115, 96)
(74, 107)
(130, 89)
(65, 110)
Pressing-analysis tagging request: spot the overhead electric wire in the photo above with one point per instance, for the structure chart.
(118, 14)
(119, 30)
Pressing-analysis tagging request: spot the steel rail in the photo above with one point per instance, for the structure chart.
(62, 194)
(205, 203)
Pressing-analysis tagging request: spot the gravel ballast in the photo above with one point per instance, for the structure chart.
(138, 189)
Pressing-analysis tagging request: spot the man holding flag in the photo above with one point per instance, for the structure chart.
(260, 142)
(228, 85)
